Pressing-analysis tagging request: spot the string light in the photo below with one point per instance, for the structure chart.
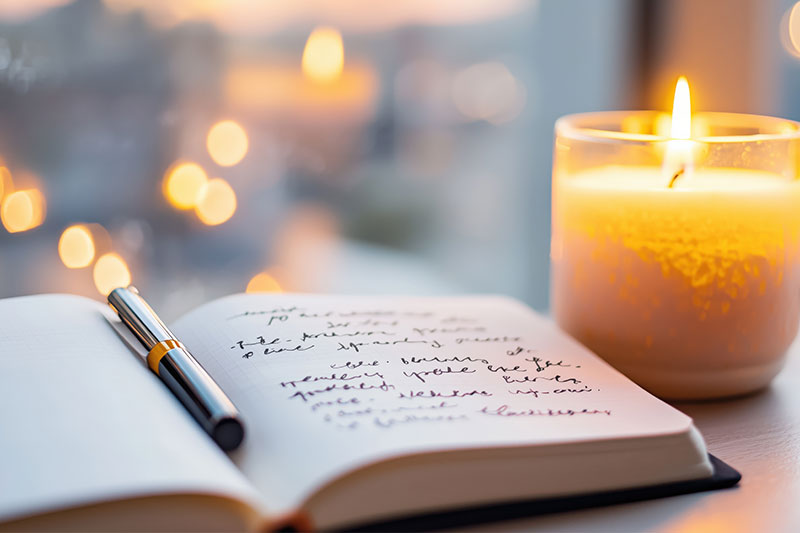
(227, 143)
(110, 272)
(183, 185)
(263, 282)
(218, 203)
(23, 210)
(76, 247)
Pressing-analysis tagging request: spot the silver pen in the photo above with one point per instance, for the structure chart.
(179, 370)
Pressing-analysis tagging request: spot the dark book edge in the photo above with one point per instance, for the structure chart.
(724, 476)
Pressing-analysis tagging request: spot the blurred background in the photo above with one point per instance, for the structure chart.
(205, 147)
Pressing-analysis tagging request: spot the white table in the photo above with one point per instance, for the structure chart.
(759, 435)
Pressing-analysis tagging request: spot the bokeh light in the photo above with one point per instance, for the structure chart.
(263, 282)
(488, 91)
(183, 185)
(23, 210)
(111, 272)
(227, 143)
(791, 31)
(323, 56)
(76, 247)
(218, 203)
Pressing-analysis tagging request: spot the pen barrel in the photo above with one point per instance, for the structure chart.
(139, 317)
(202, 397)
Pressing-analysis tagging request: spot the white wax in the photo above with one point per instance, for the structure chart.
(669, 284)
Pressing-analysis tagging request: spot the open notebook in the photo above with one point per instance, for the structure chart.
(358, 410)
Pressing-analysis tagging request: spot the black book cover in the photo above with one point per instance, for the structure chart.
(724, 477)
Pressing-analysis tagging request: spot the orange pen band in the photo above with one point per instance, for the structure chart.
(159, 350)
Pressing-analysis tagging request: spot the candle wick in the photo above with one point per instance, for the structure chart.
(676, 176)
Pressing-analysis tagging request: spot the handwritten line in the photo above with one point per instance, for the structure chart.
(504, 410)
(437, 372)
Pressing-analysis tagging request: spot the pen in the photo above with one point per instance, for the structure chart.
(179, 370)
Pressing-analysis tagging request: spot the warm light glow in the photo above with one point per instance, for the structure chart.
(218, 203)
(23, 10)
(111, 272)
(323, 56)
(227, 143)
(794, 30)
(183, 185)
(279, 91)
(6, 183)
(76, 247)
(23, 210)
(635, 124)
(681, 111)
(662, 124)
(263, 282)
(262, 18)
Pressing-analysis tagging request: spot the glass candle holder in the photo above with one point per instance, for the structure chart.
(683, 273)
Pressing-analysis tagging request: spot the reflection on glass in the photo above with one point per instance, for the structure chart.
(790, 30)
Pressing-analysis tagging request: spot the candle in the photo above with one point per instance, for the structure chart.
(678, 261)
(321, 88)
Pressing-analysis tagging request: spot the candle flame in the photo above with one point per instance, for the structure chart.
(678, 158)
(681, 111)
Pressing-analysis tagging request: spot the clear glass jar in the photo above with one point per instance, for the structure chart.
(678, 261)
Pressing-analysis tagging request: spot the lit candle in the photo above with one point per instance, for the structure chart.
(678, 259)
(321, 88)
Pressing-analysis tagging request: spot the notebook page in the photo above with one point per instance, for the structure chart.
(83, 421)
(327, 383)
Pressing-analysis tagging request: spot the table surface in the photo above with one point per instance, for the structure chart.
(759, 435)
